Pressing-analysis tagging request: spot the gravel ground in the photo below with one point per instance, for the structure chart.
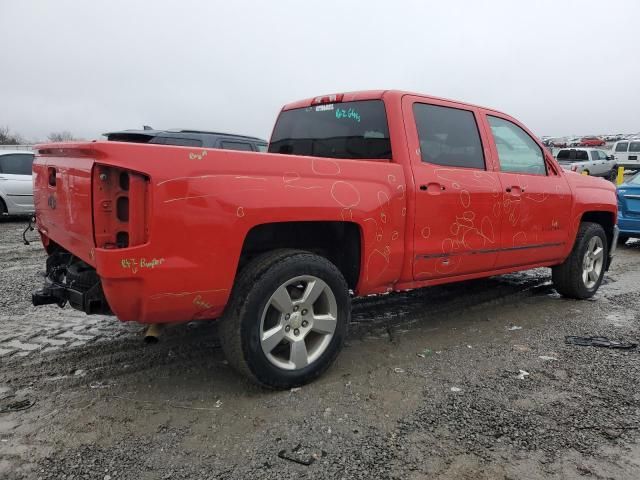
(427, 387)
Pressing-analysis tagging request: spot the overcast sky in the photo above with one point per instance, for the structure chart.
(561, 67)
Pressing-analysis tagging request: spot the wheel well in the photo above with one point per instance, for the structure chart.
(339, 242)
(3, 206)
(605, 219)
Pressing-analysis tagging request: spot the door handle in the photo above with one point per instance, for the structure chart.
(515, 190)
(432, 188)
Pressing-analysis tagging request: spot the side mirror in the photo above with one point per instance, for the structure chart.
(610, 157)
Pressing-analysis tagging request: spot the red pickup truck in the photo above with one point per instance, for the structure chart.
(359, 193)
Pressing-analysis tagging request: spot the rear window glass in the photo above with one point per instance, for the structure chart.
(16, 164)
(182, 142)
(634, 147)
(237, 146)
(622, 147)
(262, 147)
(573, 155)
(354, 130)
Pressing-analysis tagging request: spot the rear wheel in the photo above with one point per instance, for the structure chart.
(581, 274)
(287, 319)
(613, 174)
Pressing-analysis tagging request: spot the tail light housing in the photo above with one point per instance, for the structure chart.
(120, 207)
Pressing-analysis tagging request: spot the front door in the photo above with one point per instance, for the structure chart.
(536, 198)
(456, 228)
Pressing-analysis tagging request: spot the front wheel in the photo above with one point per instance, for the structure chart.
(287, 319)
(581, 274)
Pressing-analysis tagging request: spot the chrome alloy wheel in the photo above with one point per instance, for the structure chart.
(298, 322)
(593, 262)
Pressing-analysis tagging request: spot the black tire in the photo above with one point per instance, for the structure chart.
(613, 174)
(3, 207)
(240, 328)
(567, 277)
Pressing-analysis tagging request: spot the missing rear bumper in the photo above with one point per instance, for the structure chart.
(70, 280)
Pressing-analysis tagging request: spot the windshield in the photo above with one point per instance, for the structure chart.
(355, 130)
(635, 180)
(572, 155)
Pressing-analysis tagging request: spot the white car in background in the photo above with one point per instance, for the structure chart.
(627, 153)
(591, 161)
(16, 186)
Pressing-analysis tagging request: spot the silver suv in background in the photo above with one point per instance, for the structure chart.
(16, 187)
(591, 161)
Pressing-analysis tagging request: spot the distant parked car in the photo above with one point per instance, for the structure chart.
(589, 160)
(190, 138)
(627, 153)
(16, 187)
(629, 209)
(559, 142)
(591, 142)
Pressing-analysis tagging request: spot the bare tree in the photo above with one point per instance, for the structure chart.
(8, 138)
(63, 136)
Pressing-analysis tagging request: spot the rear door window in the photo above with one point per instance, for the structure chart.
(236, 146)
(634, 147)
(352, 130)
(16, 163)
(448, 136)
(517, 151)
(622, 146)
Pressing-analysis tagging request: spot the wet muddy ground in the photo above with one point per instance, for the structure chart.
(430, 385)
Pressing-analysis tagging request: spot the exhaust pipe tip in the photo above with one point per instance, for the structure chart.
(151, 336)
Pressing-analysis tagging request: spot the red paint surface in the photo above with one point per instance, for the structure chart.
(201, 203)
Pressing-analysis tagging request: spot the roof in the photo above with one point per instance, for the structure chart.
(378, 94)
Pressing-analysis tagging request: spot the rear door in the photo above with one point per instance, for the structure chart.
(598, 166)
(536, 198)
(620, 152)
(457, 192)
(633, 156)
(15, 180)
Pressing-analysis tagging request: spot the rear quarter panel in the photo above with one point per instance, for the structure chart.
(203, 203)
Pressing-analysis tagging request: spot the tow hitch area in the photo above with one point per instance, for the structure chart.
(69, 279)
